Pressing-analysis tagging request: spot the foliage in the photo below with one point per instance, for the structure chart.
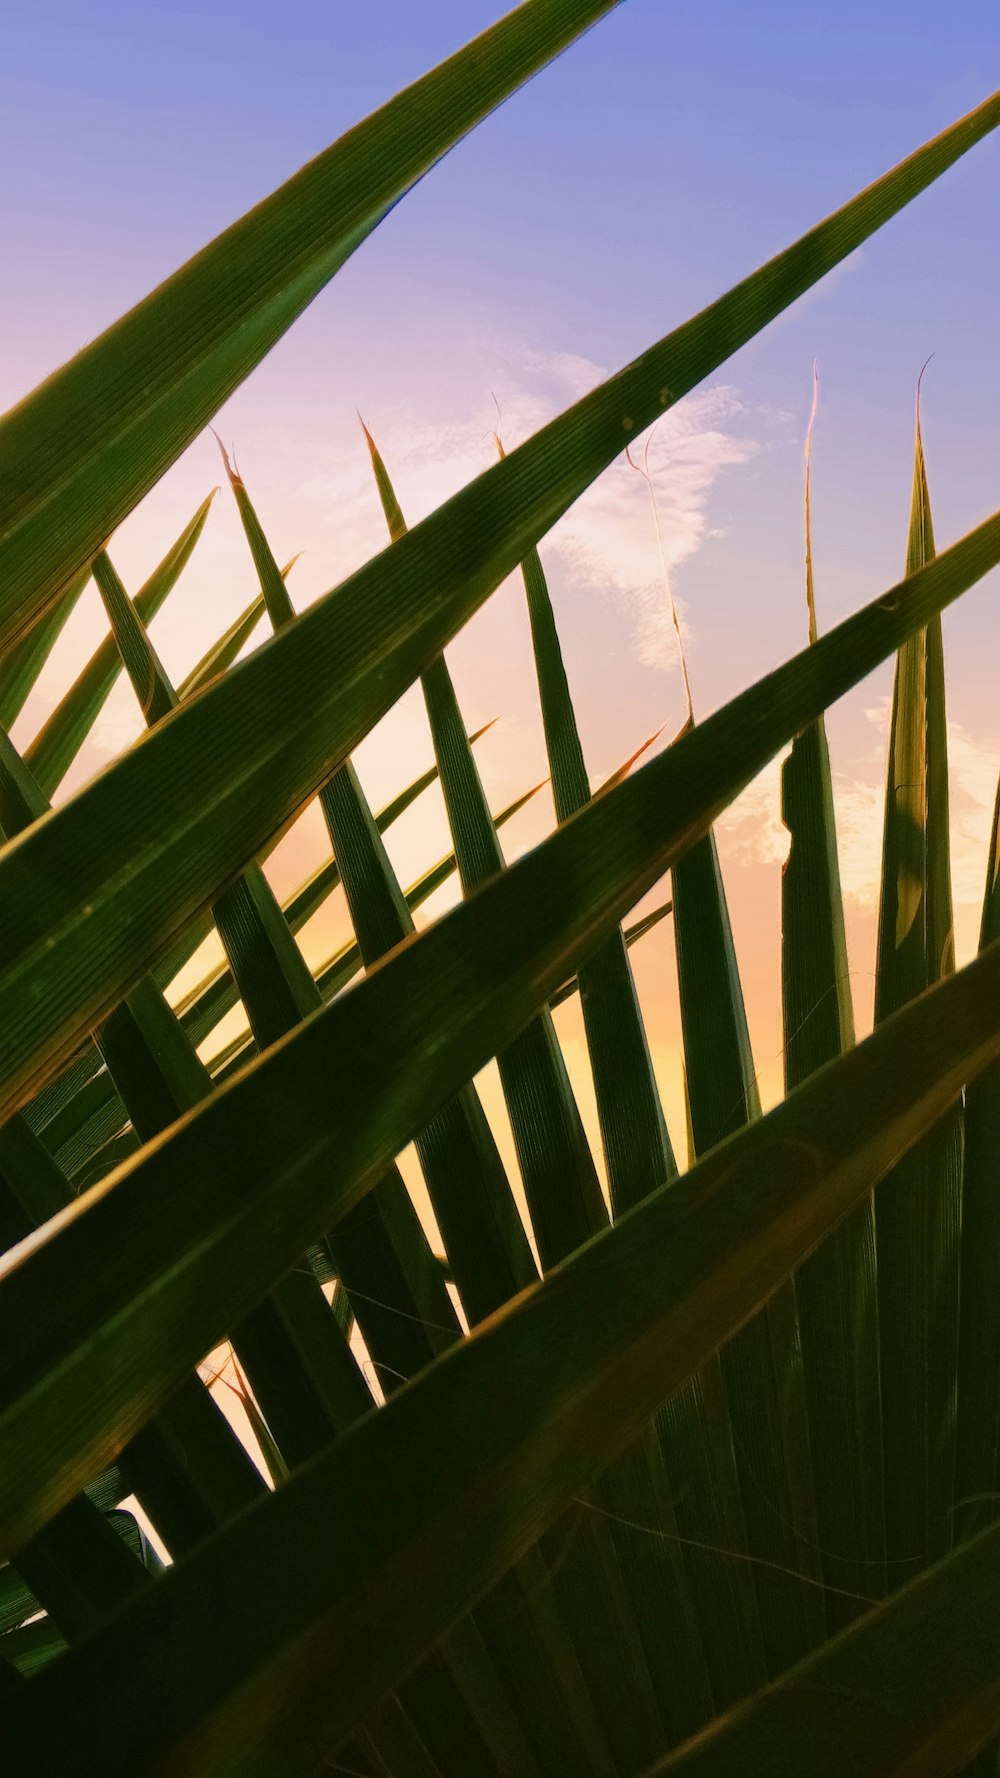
(694, 1474)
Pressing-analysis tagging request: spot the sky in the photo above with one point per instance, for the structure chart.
(662, 158)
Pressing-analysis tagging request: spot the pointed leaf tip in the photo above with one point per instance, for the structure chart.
(624, 769)
(232, 472)
(807, 457)
(480, 732)
(919, 382)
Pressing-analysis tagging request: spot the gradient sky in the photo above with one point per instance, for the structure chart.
(671, 151)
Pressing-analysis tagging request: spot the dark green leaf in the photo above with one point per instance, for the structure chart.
(25, 661)
(58, 741)
(911, 1689)
(230, 767)
(182, 1217)
(918, 1212)
(363, 1575)
(836, 1287)
(88, 444)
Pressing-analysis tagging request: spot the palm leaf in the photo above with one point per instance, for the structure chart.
(640, 1671)
(918, 1213)
(560, 1180)
(292, 1348)
(187, 1468)
(230, 767)
(918, 1675)
(64, 1109)
(637, 1147)
(208, 1003)
(835, 1288)
(738, 1433)
(463, 988)
(24, 662)
(977, 1482)
(364, 1574)
(468, 1188)
(84, 447)
(60, 738)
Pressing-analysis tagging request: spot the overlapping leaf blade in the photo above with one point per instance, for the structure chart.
(644, 1676)
(76, 1112)
(560, 1179)
(463, 989)
(977, 1480)
(187, 1467)
(58, 741)
(229, 768)
(736, 1436)
(637, 1147)
(912, 1688)
(489, 1260)
(24, 662)
(293, 1349)
(362, 1569)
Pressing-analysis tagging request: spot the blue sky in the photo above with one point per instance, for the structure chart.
(662, 158)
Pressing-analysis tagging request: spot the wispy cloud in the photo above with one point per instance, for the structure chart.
(607, 541)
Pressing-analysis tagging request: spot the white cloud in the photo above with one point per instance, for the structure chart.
(757, 835)
(114, 731)
(608, 540)
(859, 807)
(752, 823)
